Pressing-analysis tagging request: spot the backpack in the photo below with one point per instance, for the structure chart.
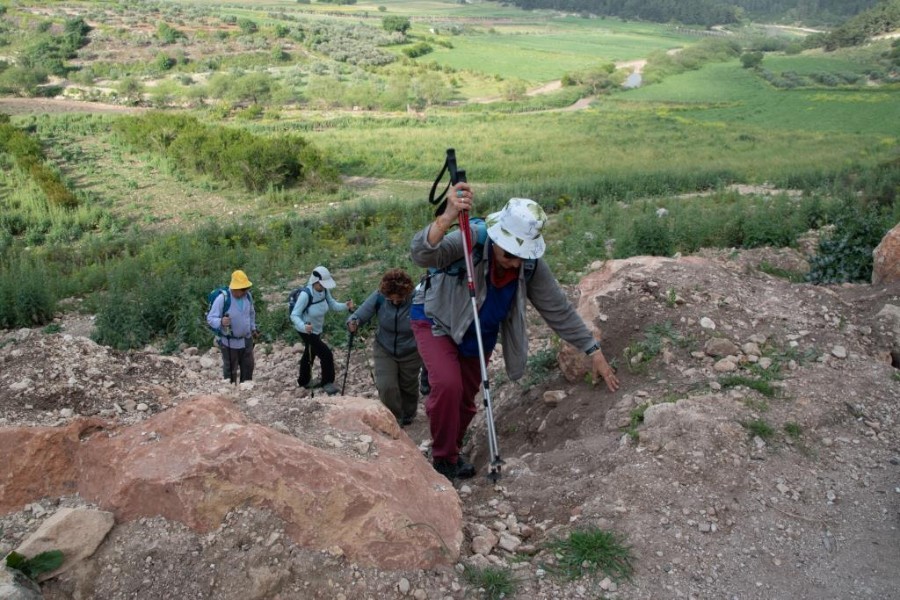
(211, 297)
(458, 268)
(295, 295)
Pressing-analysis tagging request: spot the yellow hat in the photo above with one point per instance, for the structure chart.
(239, 281)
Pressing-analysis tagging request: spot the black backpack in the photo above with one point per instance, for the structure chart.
(295, 295)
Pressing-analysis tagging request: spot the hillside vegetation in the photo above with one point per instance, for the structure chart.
(288, 135)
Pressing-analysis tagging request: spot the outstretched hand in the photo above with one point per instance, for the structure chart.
(600, 369)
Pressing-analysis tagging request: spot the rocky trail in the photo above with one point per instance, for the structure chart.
(752, 453)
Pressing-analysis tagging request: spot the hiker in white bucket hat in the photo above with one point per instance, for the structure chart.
(308, 317)
(507, 248)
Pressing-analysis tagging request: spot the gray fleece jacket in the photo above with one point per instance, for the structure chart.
(447, 302)
(394, 332)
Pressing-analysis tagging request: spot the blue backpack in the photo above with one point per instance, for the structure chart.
(458, 267)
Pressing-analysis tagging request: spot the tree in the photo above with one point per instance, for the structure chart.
(22, 81)
(393, 23)
(255, 88)
(751, 60)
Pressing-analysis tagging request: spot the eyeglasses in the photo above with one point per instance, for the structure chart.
(509, 255)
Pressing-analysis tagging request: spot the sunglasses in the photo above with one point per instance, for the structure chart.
(509, 255)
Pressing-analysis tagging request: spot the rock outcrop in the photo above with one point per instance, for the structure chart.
(369, 495)
(886, 258)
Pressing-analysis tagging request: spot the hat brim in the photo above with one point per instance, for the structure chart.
(527, 249)
(328, 284)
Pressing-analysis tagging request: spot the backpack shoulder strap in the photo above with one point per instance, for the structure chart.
(480, 230)
(530, 267)
(226, 304)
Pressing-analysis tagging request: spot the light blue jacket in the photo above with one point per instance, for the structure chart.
(243, 319)
(313, 310)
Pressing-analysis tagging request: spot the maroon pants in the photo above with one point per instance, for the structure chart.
(455, 381)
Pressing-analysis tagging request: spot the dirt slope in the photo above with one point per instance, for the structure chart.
(810, 511)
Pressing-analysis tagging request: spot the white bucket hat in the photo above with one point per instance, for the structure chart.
(321, 275)
(517, 228)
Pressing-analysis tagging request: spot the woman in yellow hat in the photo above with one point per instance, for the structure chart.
(233, 318)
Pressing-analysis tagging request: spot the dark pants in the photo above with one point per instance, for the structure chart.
(313, 347)
(397, 381)
(238, 360)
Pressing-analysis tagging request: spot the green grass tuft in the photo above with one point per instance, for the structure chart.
(590, 551)
(494, 583)
(759, 427)
(793, 430)
(760, 385)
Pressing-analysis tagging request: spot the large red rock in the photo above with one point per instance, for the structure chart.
(385, 507)
(886, 258)
(40, 461)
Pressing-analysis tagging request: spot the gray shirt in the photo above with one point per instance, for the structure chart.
(447, 302)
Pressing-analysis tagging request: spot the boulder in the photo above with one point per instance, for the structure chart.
(886, 258)
(76, 532)
(198, 461)
(42, 462)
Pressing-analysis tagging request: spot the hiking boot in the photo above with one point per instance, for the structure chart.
(404, 421)
(464, 469)
(310, 384)
(331, 389)
(445, 468)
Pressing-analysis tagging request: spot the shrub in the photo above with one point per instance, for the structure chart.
(417, 50)
(846, 255)
(650, 235)
(26, 295)
(234, 156)
(751, 60)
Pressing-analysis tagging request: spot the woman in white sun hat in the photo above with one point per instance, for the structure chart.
(443, 321)
(308, 317)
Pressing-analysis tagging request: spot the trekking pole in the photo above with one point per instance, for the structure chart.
(347, 363)
(493, 447)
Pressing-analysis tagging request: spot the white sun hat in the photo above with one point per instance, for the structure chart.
(321, 275)
(517, 228)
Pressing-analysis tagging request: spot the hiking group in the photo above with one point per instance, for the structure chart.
(430, 328)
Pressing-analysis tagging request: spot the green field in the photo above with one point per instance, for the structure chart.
(85, 209)
(727, 95)
(548, 55)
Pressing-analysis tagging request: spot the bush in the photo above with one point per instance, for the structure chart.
(846, 255)
(650, 235)
(230, 155)
(751, 60)
(26, 295)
